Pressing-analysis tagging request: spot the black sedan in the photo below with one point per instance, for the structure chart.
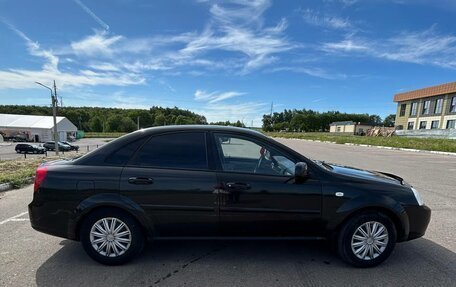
(72, 146)
(220, 182)
(29, 148)
(50, 145)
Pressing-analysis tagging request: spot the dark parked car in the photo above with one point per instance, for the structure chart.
(29, 148)
(72, 146)
(210, 181)
(51, 146)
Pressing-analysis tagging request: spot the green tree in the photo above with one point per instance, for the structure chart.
(389, 120)
(96, 124)
(159, 120)
(126, 125)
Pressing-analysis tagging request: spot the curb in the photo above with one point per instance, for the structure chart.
(380, 147)
(404, 149)
(9, 186)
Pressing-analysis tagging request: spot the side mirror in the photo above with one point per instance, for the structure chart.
(301, 170)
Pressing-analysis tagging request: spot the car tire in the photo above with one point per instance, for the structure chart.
(127, 246)
(366, 240)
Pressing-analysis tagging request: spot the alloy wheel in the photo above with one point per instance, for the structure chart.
(110, 237)
(369, 240)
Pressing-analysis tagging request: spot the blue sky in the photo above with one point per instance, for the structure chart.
(226, 59)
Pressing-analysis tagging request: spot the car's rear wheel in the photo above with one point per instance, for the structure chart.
(367, 240)
(111, 236)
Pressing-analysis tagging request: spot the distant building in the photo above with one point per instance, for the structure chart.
(349, 127)
(427, 108)
(35, 128)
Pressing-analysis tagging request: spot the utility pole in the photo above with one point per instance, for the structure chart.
(137, 122)
(54, 114)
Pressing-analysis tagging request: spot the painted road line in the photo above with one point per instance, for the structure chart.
(15, 218)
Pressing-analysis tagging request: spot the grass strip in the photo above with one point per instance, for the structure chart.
(430, 144)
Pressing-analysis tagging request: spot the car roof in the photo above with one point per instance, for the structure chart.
(214, 128)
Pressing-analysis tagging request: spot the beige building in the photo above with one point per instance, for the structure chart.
(427, 108)
(349, 127)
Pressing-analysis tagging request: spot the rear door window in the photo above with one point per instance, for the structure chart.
(185, 150)
(122, 155)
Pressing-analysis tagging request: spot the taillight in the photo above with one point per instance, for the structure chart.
(39, 177)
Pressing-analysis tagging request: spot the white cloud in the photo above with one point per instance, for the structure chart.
(216, 109)
(316, 18)
(235, 27)
(246, 112)
(105, 66)
(311, 71)
(215, 97)
(98, 44)
(347, 45)
(420, 47)
(24, 78)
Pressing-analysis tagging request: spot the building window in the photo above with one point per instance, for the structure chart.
(422, 125)
(410, 125)
(434, 125)
(338, 129)
(438, 106)
(426, 105)
(402, 112)
(399, 127)
(453, 105)
(451, 124)
(414, 109)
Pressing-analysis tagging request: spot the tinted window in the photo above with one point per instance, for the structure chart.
(243, 155)
(410, 126)
(453, 105)
(177, 150)
(402, 112)
(438, 106)
(423, 125)
(413, 109)
(122, 155)
(426, 105)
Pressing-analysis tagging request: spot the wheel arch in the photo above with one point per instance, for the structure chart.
(380, 204)
(108, 200)
(395, 218)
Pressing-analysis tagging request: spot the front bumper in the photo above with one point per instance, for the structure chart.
(419, 218)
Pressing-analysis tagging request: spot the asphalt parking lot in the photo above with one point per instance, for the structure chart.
(29, 258)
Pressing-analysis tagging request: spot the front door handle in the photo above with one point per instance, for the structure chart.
(140, 180)
(238, 185)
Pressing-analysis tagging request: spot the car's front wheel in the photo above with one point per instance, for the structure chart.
(367, 240)
(111, 236)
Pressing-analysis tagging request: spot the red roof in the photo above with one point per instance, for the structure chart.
(426, 92)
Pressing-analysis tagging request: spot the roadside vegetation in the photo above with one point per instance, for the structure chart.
(314, 121)
(17, 172)
(103, 135)
(445, 145)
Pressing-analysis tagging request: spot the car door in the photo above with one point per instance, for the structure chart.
(170, 177)
(258, 194)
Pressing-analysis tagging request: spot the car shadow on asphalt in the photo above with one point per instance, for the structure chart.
(249, 263)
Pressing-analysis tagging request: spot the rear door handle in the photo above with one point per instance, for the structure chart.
(238, 185)
(140, 180)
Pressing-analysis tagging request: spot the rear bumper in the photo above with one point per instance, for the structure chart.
(419, 218)
(43, 219)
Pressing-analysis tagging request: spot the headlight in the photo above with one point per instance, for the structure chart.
(417, 196)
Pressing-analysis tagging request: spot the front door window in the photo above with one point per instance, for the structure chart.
(242, 155)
